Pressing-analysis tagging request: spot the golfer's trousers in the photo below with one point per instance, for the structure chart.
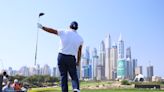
(67, 64)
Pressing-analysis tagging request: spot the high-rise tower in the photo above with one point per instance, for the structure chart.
(121, 63)
(134, 65)
(128, 53)
(107, 56)
(102, 60)
(86, 66)
(150, 72)
(129, 64)
(94, 63)
(113, 62)
(120, 48)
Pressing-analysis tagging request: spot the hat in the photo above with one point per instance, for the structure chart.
(16, 81)
(74, 25)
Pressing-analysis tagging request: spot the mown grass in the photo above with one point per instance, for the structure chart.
(44, 90)
(86, 84)
(99, 90)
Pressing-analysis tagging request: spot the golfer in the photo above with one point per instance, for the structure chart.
(69, 54)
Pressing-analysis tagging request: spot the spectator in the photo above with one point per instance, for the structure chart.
(5, 78)
(8, 87)
(16, 85)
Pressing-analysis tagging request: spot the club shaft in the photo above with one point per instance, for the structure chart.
(36, 48)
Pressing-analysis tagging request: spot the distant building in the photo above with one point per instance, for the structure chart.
(121, 69)
(138, 70)
(150, 72)
(121, 63)
(107, 56)
(113, 62)
(38, 71)
(128, 53)
(32, 71)
(86, 72)
(54, 73)
(120, 48)
(129, 71)
(15, 73)
(102, 60)
(46, 70)
(156, 79)
(129, 68)
(99, 73)
(94, 63)
(134, 65)
(24, 71)
(10, 71)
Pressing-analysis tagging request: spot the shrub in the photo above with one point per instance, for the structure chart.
(125, 82)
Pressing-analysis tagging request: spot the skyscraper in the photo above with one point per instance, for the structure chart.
(24, 71)
(138, 70)
(99, 73)
(150, 72)
(10, 71)
(128, 53)
(121, 63)
(129, 63)
(46, 70)
(82, 67)
(113, 62)
(38, 69)
(86, 71)
(120, 48)
(32, 71)
(121, 69)
(102, 60)
(129, 69)
(54, 72)
(134, 65)
(107, 56)
(94, 63)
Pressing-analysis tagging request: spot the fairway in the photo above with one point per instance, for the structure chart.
(86, 85)
(100, 90)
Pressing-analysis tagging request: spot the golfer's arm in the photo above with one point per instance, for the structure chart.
(79, 54)
(50, 30)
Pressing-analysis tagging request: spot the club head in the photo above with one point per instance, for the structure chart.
(41, 14)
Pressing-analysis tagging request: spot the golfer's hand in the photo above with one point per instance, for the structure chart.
(39, 26)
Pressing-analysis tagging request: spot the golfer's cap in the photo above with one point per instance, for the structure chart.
(74, 25)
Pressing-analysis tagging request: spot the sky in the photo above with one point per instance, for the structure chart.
(141, 23)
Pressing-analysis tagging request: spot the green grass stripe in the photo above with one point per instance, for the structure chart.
(99, 90)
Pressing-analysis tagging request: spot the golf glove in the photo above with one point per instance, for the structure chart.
(39, 25)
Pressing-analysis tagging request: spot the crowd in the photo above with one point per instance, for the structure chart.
(9, 86)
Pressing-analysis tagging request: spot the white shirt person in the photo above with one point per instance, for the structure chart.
(69, 54)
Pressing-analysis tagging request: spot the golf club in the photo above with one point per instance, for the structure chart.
(37, 35)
